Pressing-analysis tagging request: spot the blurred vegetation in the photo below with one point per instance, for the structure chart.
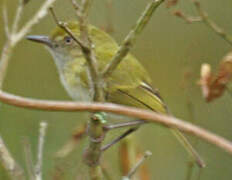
(172, 52)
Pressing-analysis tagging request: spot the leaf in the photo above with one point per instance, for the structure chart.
(213, 86)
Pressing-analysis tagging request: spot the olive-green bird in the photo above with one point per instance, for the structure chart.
(129, 84)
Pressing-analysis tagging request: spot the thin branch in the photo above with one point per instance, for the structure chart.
(76, 6)
(146, 115)
(211, 24)
(130, 39)
(38, 166)
(8, 162)
(17, 18)
(187, 18)
(5, 20)
(28, 158)
(14, 38)
(137, 165)
(41, 13)
(63, 26)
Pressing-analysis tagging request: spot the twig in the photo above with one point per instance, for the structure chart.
(28, 158)
(38, 166)
(8, 162)
(41, 13)
(76, 6)
(146, 115)
(14, 37)
(125, 134)
(106, 174)
(131, 37)
(96, 132)
(137, 165)
(6, 23)
(17, 18)
(186, 18)
(211, 24)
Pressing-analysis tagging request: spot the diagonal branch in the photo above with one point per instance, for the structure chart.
(131, 37)
(211, 24)
(8, 162)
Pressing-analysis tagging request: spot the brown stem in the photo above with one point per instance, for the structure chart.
(146, 115)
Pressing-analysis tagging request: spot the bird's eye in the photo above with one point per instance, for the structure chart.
(68, 40)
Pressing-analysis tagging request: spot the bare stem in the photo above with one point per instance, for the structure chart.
(8, 162)
(17, 17)
(131, 37)
(5, 20)
(137, 165)
(146, 115)
(41, 13)
(38, 166)
(211, 24)
(15, 36)
(28, 158)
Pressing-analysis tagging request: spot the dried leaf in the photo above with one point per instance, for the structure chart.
(213, 86)
(144, 172)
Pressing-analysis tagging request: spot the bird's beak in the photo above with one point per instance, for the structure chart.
(40, 39)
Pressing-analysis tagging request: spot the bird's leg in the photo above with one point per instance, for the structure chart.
(125, 134)
(124, 124)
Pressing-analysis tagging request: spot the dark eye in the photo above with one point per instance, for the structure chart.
(68, 40)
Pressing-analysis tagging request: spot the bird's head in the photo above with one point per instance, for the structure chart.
(62, 47)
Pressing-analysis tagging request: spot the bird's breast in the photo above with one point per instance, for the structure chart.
(75, 87)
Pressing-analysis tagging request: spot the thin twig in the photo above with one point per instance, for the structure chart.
(146, 115)
(137, 165)
(28, 158)
(63, 26)
(41, 13)
(17, 18)
(211, 24)
(8, 162)
(38, 166)
(130, 39)
(16, 37)
(187, 18)
(5, 20)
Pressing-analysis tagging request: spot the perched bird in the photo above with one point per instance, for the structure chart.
(129, 84)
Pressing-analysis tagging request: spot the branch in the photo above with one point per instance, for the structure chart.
(205, 19)
(146, 115)
(38, 166)
(15, 35)
(5, 21)
(137, 165)
(8, 162)
(211, 24)
(131, 37)
(41, 13)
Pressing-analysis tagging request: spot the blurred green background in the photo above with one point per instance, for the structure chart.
(172, 52)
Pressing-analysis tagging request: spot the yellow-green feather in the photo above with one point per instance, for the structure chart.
(129, 83)
(127, 78)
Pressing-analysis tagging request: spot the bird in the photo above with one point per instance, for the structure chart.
(129, 84)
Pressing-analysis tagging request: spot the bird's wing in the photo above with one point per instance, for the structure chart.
(142, 96)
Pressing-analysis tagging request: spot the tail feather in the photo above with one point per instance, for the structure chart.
(188, 147)
(144, 96)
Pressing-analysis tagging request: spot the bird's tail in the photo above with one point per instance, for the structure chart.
(189, 148)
